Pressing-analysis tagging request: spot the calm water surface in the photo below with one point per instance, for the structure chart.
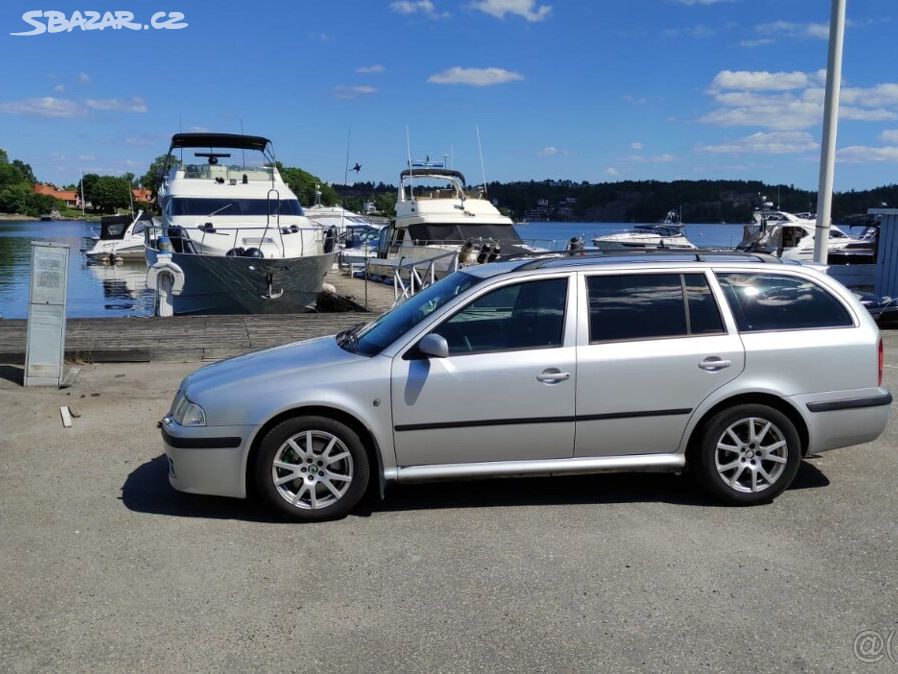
(119, 290)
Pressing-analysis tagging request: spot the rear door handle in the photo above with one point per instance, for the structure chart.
(714, 363)
(552, 376)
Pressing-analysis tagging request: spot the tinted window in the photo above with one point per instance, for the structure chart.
(773, 302)
(646, 306)
(527, 315)
(190, 206)
(704, 317)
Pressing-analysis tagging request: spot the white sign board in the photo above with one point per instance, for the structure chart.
(45, 345)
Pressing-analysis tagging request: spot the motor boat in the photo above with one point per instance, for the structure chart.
(121, 238)
(660, 236)
(792, 238)
(357, 236)
(236, 230)
(440, 220)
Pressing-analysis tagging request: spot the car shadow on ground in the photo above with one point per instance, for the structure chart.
(147, 490)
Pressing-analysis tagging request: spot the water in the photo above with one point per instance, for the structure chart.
(119, 290)
(94, 290)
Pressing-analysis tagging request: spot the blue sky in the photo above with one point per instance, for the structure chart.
(583, 90)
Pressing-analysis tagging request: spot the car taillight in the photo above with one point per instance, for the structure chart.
(880, 362)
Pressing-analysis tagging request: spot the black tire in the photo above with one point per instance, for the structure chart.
(314, 484)
(757, 469)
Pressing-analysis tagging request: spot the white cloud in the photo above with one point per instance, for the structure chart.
(133, 105)
(773, 142)
(526, 9)
(790, 29)
(47, 106)
(83, 78)
(424, 7)
(878, 95)
(699, 31)
(348, 92)
(636, 145)
(366, 70)
(611, 171)
(889, 136)
(59, 88)
(321, 37)
(475, 77)
(552, 151)
(760, 42)
(759, 80)
(857, 154)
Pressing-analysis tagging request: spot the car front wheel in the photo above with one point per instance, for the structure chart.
(311, 468)
(748, 454)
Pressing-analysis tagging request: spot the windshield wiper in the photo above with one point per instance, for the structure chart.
(349, 338)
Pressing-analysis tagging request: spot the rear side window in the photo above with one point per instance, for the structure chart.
(774, 302)
(648, 306)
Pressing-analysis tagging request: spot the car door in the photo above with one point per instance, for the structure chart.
(654, 345)
(505, 391)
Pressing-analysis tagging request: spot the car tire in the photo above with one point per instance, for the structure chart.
(748, 454)
(311, 469)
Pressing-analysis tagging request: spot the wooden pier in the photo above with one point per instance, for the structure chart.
(199, 338)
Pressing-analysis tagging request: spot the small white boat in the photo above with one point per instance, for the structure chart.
(661, 236)
(121, 237)
(357, 235)
(237, 231)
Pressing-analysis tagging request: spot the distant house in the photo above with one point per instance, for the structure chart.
(142, 194)
(70, 197)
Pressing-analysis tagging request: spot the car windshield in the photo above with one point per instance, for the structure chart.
(377, 335)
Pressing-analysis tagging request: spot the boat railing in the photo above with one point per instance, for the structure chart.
(229, 173)
(155, 230)
(419, 275)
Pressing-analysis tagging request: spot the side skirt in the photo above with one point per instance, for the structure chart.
(572, 466)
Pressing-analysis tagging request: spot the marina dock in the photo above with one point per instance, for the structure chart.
(201, 338)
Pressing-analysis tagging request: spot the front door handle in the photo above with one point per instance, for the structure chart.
(552, 376)
(714, 363)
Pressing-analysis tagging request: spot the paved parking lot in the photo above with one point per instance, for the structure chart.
(104, 567)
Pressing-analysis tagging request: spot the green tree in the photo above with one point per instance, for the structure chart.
(109, 193)
(153, 177)
(303, 185)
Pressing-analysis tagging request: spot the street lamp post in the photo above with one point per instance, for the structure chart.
(830, 124)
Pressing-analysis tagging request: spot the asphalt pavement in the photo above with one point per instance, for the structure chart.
(103, 567)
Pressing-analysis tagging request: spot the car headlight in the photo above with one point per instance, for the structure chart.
(187, 413)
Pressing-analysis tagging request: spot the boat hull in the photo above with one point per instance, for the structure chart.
(244, 285)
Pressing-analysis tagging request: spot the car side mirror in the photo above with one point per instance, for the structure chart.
(434, 346)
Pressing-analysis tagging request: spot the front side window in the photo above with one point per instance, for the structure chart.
(774, 302)
(528, 315)
(210, 207)
(650, 306)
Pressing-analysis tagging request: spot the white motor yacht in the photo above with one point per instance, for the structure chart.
(236, 229)
(121, 238)
(356, 234)
(440, 218)
(792, 238)
(660, 236)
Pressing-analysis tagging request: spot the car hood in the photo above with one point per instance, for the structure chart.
(282, 363)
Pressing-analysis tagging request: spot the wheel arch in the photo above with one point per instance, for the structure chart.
(758, 398)
(369, 442)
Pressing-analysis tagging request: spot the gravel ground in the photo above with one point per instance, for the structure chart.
(103, 567)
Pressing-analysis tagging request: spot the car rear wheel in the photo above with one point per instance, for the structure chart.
(311, 468)
(748, 454)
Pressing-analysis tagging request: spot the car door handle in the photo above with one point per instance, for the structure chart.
(552, 376)
(713, 364)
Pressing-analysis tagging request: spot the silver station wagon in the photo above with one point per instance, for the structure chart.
(731, 367)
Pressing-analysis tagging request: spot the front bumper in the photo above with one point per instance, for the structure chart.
(206, 460)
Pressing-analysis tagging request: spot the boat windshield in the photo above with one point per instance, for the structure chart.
(230, 207)
(379, 334)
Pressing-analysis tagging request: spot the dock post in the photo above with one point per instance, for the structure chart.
(166, 279)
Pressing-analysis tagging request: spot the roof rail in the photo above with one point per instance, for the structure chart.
(539, 260)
